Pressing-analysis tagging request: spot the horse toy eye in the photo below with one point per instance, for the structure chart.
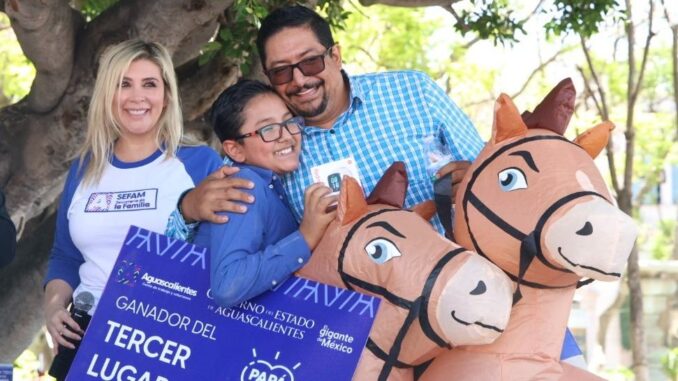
(381, 250)
(511, 179)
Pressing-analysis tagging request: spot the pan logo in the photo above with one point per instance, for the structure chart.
(262, 370)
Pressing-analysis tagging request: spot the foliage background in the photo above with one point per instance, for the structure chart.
(475, 50)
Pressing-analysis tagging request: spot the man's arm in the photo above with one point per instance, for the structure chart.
(7, 235)
(218, 192)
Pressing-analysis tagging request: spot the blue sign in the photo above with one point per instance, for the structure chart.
(6, 371)
(156, 321)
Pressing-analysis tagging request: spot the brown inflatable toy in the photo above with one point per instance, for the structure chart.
(435, 294)
(535, 204)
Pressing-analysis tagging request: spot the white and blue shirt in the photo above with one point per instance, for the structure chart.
(93, 220)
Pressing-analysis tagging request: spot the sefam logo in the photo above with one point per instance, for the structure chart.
(127, 273)
(262, 370)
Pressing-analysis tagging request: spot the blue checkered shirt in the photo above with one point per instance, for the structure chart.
(388, 117)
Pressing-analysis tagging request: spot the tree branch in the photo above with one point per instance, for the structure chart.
(646, 50)
(604, 114)
(190, 47)
(601, 92)
(674, 63)
(539, 68)
(171, 23)
(204, 85)
(409, 3)
(46, 32)
(633, 96)
(589, 91)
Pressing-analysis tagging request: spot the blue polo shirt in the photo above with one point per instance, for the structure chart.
(256, 250)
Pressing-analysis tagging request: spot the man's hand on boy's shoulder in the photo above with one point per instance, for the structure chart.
(216, 193)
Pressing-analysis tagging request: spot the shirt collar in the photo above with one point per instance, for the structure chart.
(127, 165)
(357, 92)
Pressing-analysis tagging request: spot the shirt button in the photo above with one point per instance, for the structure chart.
(300, 260)
(332, 132)
(274, 283)
(274, 177)
(281, 197)
(270, 186)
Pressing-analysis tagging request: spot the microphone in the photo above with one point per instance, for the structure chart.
(83, 302)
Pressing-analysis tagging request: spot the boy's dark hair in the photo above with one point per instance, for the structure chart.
(226, 113)
(292, 16)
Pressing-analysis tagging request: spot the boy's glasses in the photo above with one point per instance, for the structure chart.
(309, 66)
(273, 132)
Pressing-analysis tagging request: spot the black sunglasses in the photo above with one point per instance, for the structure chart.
(309, 66)
(273, 132)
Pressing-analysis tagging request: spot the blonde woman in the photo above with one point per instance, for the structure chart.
(131, 170)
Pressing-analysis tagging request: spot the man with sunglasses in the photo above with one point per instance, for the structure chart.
(374, 119)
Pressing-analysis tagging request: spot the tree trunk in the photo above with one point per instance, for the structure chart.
(40, 134)
(634, 81)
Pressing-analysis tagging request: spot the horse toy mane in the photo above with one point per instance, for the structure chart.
(435, 294)
(534, 204)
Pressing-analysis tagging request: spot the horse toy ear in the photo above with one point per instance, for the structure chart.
(595, 138)
(352, 202)
(507, 121)
(392, 187)
(426, 209)
(555, 111)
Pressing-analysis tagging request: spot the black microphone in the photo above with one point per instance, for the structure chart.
(79, 312)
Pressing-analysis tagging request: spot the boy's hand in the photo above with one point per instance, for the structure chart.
(316, 216)
(216, 193)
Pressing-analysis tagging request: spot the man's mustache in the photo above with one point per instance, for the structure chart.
(306, 86)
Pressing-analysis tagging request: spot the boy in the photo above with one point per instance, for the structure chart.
(258, 249)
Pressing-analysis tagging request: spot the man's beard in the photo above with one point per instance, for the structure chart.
(309, 113)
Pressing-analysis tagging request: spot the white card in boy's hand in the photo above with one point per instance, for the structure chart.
(331, 173)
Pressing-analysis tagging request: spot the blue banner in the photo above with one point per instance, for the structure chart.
(157, 321)
(6, 372)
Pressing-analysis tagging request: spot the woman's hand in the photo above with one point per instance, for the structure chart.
(60, 325)
(316, 215)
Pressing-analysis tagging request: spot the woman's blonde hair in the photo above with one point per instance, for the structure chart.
(102, 128)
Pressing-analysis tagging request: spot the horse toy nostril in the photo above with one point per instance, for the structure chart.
(586, 230)
(480, 288)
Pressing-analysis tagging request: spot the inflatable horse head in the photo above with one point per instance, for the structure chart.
(435, 294)
(534, 203)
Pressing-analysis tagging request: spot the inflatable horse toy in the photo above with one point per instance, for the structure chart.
(435, 294)
(535, 204)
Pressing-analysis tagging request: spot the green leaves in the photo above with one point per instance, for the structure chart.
(491, 20)
(496, 19)
(581, 17)
(236, 39)
(93, 8)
